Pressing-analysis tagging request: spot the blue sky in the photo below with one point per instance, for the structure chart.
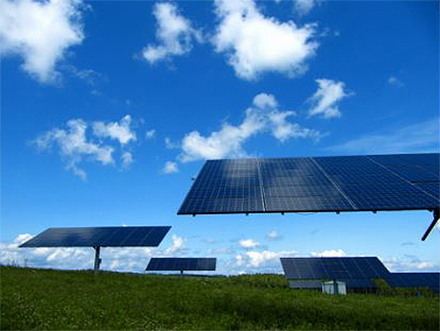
(109, 108)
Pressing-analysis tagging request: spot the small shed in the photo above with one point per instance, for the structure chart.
(334, 287)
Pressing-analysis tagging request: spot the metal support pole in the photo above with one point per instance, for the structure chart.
(181, 273)
(97, 259)
(431, 226)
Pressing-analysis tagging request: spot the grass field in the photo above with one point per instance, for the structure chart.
(67, 300)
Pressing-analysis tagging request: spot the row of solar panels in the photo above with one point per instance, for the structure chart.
(355, 272)
(346, 183)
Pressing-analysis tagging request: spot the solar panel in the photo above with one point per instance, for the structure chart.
(181, 263)
(339, 268)
(100, 237)
(343, 183)
(414, 279)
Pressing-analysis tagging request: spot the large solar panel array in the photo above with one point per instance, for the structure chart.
(339, 268)
(100, 237)
(346, 183)
(415, 279)
(181, 263)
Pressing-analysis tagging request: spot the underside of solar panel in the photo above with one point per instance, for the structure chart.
(181, 263)
(311, 184)
(127, 236)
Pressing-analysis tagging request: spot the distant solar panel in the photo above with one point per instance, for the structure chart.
(339, 268)
(414, 279)
(345, 183)
(181, 264)
(100, 237)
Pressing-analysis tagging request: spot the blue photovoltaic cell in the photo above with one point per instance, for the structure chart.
(100, 236)
(181, 263)
(339, 268)
(343, 183)
(414, 279)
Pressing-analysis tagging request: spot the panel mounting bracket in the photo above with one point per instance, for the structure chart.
(436, 213)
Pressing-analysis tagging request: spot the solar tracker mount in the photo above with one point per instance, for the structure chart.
(317, 184)
(97, 237)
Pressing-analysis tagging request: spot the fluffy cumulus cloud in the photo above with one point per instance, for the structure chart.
(248, 243)
(174, 33)
(326, 99)
(119, 131)
(263, 116)
(177, 245)
(408, 263)
(264, 260)
(170, 168)
(255, 44)
(303, 7)
(329, 253)
(75, 146)
(41, 33)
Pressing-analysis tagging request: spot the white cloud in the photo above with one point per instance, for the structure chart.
(326, 98)
(170, 144)
(266, 258)
(255, 44)
(409, 263)
(414, 138)
(303, 7)
(74, 146)
(394, 81)
(174, 32)
(248, 243)
(170, 167)
(40, 32)
(329, 253)
(177, 245)
(150, 134)
(127, 159)
(229, 140)
(120, 131)
(273, 235)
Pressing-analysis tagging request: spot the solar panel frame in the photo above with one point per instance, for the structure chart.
(181, 264)
(127, 236)
(315, 184)
(414, 279)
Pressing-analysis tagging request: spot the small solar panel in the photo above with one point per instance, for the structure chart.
(100, 237)
(414, 279)
(310, 184)
(339, 268)
(181, 264)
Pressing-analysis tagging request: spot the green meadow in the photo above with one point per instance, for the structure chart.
(39, 299)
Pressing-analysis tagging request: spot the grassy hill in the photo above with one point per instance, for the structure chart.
(68, 300)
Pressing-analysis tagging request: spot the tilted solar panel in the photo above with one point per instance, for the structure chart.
(100, 237)
(181, 264)
(414, 279)
(344, 183)
(339, 268)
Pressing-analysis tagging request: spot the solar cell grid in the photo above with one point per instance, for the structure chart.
(181, 264)
(383, 182)
(334, 268)
(99, 236)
